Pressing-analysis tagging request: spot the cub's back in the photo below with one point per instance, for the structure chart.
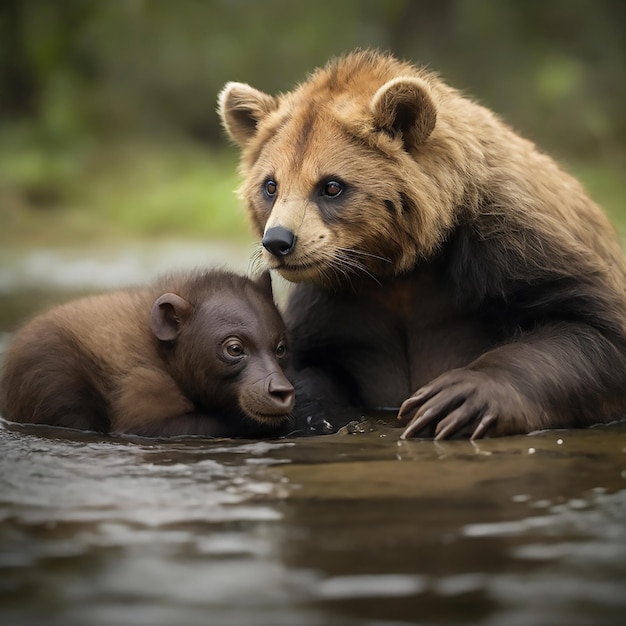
(60, 364)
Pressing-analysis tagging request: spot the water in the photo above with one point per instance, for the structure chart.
(349, 529)
(353, 528)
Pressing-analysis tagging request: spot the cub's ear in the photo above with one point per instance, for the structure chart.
(169, 313)
(241, 108)
(404, 107)
(264, 281)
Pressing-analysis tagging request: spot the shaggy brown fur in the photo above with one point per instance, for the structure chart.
(194, 354)
(436, 249)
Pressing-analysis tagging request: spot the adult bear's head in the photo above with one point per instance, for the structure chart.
(354, 173)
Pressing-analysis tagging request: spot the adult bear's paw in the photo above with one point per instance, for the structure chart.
(465, 402)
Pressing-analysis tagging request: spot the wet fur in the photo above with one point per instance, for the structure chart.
(461, 271)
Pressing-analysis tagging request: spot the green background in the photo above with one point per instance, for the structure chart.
(108, 130)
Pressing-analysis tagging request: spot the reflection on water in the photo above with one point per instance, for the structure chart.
(349, 529)
(343, 529)
(34, 280)
(112, 267)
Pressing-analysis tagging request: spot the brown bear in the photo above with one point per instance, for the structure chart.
(198, 353)
(445, 265)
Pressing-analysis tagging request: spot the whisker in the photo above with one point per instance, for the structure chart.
(363, 253)
(344, 262)
(255, 262)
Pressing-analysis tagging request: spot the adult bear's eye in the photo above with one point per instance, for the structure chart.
(332, 189)
(270, 188)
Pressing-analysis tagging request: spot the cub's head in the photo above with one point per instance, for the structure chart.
(346, 175)
(224, 341)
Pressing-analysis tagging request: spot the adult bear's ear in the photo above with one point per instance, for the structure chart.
(404, 107)
(169, 313)
(241, 108)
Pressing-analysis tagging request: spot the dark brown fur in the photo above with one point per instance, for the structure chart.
(155, 362)
(458, 260)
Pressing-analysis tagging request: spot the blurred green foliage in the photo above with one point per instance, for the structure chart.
(118, 189)
(107, 108)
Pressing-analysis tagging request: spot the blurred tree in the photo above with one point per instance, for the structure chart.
(139, 66)
(18, 90)
(39, 40)
(107, 108)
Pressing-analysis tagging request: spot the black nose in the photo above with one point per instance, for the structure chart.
(279, 241)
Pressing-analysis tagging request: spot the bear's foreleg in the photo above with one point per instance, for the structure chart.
(321, 397)
(556, 376)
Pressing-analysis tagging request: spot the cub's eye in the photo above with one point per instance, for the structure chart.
(281, 350)
(332, 189)
(270, 188)
(233, 348)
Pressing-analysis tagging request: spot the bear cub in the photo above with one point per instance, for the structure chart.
(200, 353)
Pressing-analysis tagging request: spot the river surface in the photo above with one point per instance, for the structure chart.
(356, 528)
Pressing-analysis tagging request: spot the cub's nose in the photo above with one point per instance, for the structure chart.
(279, 241)
(281, 393)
